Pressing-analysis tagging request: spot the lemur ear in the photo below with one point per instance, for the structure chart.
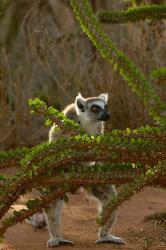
(104, 96)
(80, 102)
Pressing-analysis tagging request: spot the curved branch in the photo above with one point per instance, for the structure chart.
(137, 185)
(127, 69)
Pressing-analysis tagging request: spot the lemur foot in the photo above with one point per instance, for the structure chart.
(110, 239)
(57, 242)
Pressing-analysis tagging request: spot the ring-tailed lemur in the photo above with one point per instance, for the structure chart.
(90, 113)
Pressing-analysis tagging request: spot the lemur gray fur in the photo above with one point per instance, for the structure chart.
(91, 113)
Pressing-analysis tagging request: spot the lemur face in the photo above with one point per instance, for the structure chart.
(93, 108)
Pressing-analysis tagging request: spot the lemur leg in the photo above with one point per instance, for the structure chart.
(103, 193)
(37, 220)
(53, 220)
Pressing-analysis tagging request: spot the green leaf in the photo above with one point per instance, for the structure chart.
(48, 122)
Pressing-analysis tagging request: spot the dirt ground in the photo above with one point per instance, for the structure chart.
(80, 226)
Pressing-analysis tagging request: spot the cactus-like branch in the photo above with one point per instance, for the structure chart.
(127, 69)
(153, 12)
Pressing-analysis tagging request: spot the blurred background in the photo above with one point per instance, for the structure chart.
(44, 53)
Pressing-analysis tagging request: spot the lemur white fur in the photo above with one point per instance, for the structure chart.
(91, 114)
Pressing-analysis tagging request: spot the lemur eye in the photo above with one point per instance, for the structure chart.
(95, 109)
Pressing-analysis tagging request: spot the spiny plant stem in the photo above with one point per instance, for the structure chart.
(136, 186)
(127, 69)
(154, 12)
(26, 213)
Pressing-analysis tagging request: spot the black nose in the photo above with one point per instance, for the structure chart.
(105, 116)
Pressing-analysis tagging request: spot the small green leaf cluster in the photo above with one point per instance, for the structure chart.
(31, 204)
(159, 73)
(13, 153)
(11, 158)
(37, 104)
(52, 116)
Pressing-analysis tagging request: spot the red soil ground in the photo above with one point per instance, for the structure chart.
(80, 226)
